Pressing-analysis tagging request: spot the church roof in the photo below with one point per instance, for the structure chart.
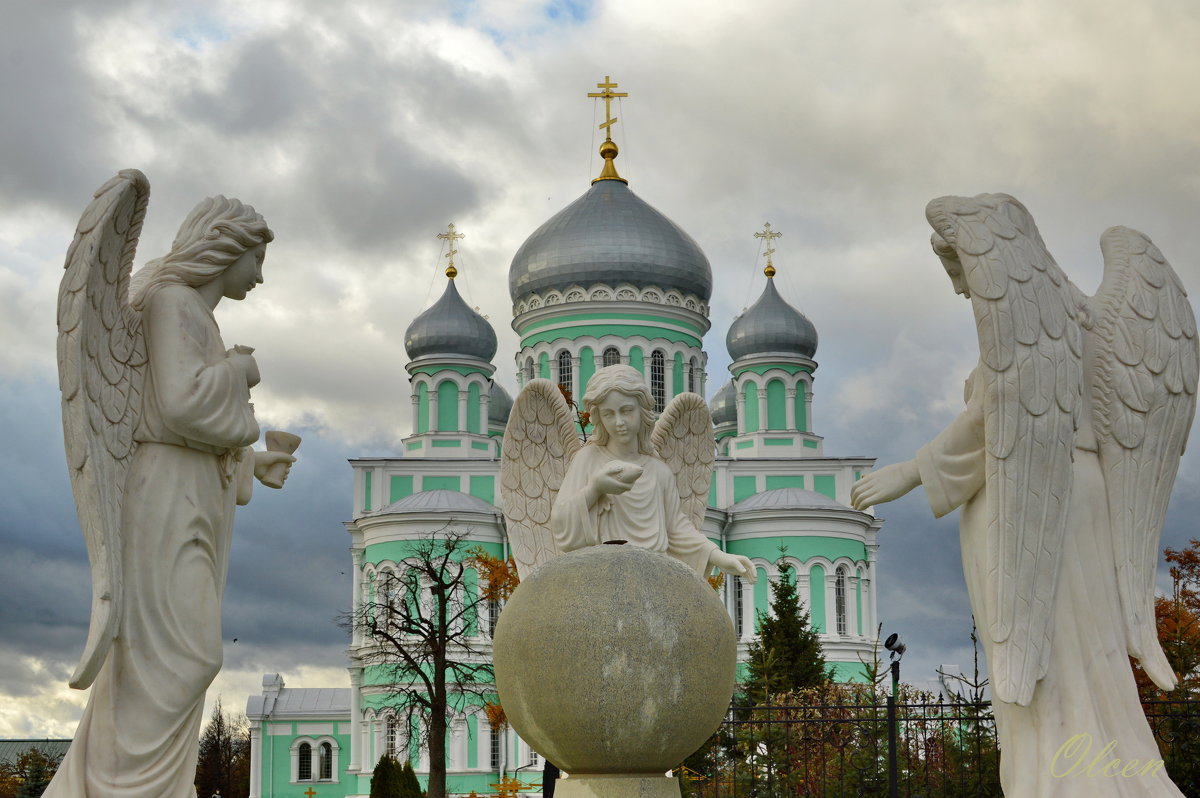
(12, 750)
(438, 501)
(787, 499)
(450, 328)
(771, 325)
(301, 701)
(499, 404)
(611, 236)
(724, 405)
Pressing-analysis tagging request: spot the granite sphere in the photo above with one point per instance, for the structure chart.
(615, 660)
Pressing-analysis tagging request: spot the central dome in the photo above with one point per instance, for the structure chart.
(611, 236)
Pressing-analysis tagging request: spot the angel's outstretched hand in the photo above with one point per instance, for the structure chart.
(264, 470)
(888, 483)
(734, 565)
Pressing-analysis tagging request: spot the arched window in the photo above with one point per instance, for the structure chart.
(658, 380)
(391, 737)
(611, 356)
(839, 599)
(565, 372)
(693, 377)
(304, 763)
(529, 372)
(325, 770)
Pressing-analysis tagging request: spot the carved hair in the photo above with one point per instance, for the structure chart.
(629, 381)
(214, 235)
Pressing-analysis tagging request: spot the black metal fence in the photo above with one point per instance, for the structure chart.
(907, 749)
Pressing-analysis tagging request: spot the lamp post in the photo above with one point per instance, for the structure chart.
(897, 648)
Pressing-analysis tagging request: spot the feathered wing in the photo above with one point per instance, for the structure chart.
(683, 436)
(101, 353)
(1030, 367)
(1143, 392)
(539, 443)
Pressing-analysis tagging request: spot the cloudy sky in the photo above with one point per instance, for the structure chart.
(360, 129)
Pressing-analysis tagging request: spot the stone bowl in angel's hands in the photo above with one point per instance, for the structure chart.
(618, 477)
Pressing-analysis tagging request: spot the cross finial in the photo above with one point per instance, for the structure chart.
(608, 150)
(770, 235)
(451, 235)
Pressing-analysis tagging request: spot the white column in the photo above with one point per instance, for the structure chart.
(762, 408)
(433, 411)
(255, 759)
(356, 595)
(740, 397)
(485, 401)
(416, 412)
(462, 411)
(356, 754)
(789, 398)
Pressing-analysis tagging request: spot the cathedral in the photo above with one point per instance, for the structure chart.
(608, 279)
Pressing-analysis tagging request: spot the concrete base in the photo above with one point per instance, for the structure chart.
(617, 786)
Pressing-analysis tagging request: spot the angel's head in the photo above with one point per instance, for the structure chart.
(617, 396)
(948, 255)
(219, 233)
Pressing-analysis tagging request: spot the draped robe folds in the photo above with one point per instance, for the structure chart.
(649, 514)
(139, 735)
(1056, 746)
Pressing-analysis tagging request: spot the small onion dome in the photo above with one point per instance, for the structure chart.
(771, 326)
(724, 405)
(450, 328)
(499, 405)
(611, 236)
(787, 499)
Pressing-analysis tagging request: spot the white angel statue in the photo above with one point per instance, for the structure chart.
(636, 480)
(1062, 463)
(158, 424)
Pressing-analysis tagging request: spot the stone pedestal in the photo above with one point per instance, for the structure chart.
(615, 663)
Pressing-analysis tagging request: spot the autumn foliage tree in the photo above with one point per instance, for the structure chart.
(29, 775)
(1178, 620)
(224, 763)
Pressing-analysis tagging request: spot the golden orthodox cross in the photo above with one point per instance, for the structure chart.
(451, 236)
(770, 235)
(310, 792)
(608, 94)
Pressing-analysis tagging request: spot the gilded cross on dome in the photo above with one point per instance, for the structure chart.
(451, 235)
(770, 235)
(608, 150)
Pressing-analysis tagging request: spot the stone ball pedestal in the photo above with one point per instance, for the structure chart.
(615, 663)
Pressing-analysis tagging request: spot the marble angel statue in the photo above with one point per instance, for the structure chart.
(158, 424)
(635, 480)
(1063, 462)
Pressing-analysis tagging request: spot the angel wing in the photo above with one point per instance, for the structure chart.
(539, 443)
(1143, 392)
(683, 436)
(101, 352)
(1030, 369)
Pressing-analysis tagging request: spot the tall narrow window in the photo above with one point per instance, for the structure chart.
(739, 609)
(304, 763)
(658, 380)
(693, 367)
(529, 372)
(326, 762)
(565, 372)
(497, 741)
(839, 599)
(390, 737)
(493, 608)
(611, 356)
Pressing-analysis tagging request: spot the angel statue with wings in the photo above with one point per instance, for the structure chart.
(158, 427)
(636, 480)
(1063, 462)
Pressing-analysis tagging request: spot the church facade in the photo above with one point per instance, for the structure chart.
(609, 279)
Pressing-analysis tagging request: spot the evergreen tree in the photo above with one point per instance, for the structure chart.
(409, 787)
(385, 780)
(786, 655)
(37, 779)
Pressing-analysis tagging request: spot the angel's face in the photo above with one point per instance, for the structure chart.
(245, 273)
(621, 416)
(957, 278)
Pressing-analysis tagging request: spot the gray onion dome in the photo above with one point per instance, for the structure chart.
(771, 326)
(450, 328)
(724, 405)
(609, 235)
(499, 405)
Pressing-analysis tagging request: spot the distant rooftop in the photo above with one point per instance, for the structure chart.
(307, 701)
(12, 750)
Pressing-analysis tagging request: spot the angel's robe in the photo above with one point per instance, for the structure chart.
(1088, 697)
(649, 514)
(139, 735)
